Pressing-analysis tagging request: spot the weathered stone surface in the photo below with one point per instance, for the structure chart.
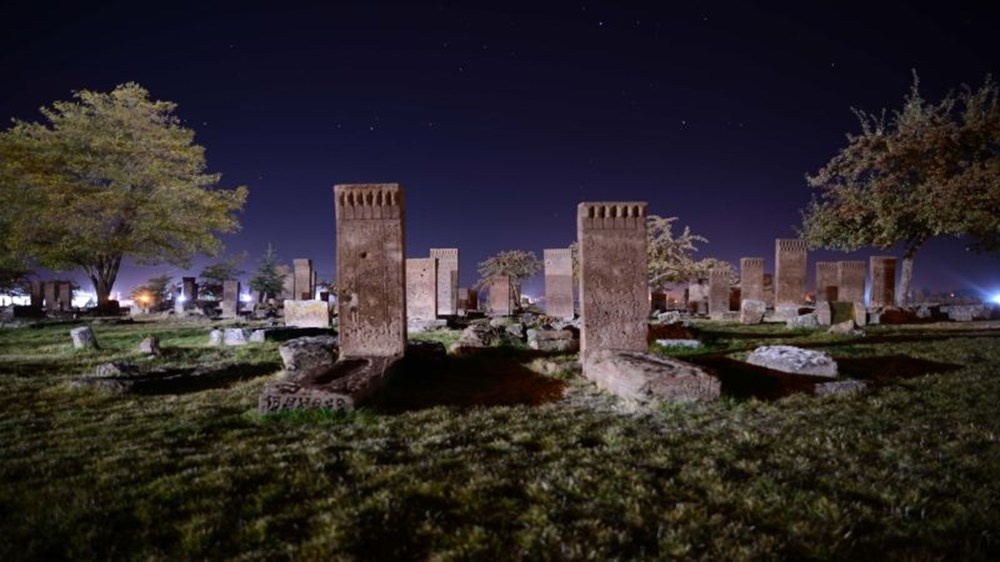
(614, 292)
(446, 284)
(116, 369)
(113, 385)
(150, 345)
(475, 336)
(302, 279)
(790, 359)
(258, 336)
(646, 378)
(422, 290)
(966, 312)
(679, 343)
(789, 271)
(827, 288)
(752, 279)
(418, 326)
(803, 321)
(860, 314)
(303, 354)
(839, 387)
(851, 281)
(234, 336)
(307, 313)
(370, 269)
(845, 328)
(230, 305)
(752, 311)
(824, 313)
(558, 282)
(669, 317)
(515, 329)
(501, 296)
(561, 341)
(348, 382)
(883, 269)
(718, 292)
(83, 338)
(215, 337)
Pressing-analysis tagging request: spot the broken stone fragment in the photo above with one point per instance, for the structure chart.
(791, 359)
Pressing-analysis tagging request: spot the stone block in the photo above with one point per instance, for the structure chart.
(790, 257)
(646, 378)
(422, 290)
(752, 311)
(883, 270)
(795, 360)
(752, 279)
(851, 281)
(718, 292)
(446, 283)
(559, 282)
(827, 287)
(307, 314)
(83, 338)
(304, 354)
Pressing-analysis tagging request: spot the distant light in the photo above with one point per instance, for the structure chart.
(181, 298)
(245, 297)
(995, 298)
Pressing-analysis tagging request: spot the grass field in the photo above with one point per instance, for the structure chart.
(489, 459)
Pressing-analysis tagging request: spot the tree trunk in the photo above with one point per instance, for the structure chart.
(905, 278)
(103, 275)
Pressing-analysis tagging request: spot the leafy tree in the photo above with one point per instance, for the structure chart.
(931, 169)
(267, 281)
(516, 265)
(214, 275)
(154, 291)
(109, 175)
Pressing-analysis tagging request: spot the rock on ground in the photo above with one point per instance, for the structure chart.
(83, 338)
(791, 359)
(303, 354)
(561, 341)
(150, 345)
(647, 378)
(840, 387)
(803, 321)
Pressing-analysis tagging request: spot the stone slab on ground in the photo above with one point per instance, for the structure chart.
(342, 386)
(803, 321)
(795, 360)
(679, 343)
(647, 378)
(561, 341)
(840, 387)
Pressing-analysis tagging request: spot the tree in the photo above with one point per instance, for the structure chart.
(154, 291)
(931, 169)
(110, 175)
(214, 275)
(267, 281)
(516, 265)
(668, 259)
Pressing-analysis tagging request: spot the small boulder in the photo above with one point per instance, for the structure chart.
(258, 336)
(303, 354)
(795, 360)
(669, 317)
(803, 321)
(475, 336)
(234, 336)
(215, 337)
(515, 330)
(150, 345)
(845, 328)
(83, 338)
(559, 341)
(647, 378)
(116, 369)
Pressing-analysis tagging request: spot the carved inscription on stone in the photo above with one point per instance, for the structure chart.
(718, 292)
(291, 396)
(421, 288)
(851, 281)
(501, 300)
(752, 279)
(558, 282)
(789, 272)
(303, 288)
(614, 293)
(370, 269)
(447, 280)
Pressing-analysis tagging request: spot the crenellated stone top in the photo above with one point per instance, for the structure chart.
(791, 245)
(369, 201)
(751, 263)
(621, 215)
(851, 264)
(450, 253)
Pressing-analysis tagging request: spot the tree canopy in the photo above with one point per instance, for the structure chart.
(926, 170)
(109, 175)
(516, 264)
(214, 275)
(266, 280)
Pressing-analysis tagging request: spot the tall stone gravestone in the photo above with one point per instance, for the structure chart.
(827, 287)
(302, 279)
(421, 289)
(472, 300)
(190, 292)
(370, 270)
(447, 280)
(501, 296)
(614, 291)
(64, 295)
(752, 279)
(789, 272)
(51, 296)
(851, 281)
(883, 270)
(288, 282)
(558, 282)
(37, 293)
(718, 292)
(230, 304)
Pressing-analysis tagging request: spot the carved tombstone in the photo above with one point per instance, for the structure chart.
(501, 297)
(718, 292)
(64, 296)
(37, 292)
(614, 292)
(883, 270)
(302, 279)
(789, 272)
(827, 288)
(190, 293)
(230, 304)
(421, 288)
(370, 269)
(447, 280)
(558, 282)
(752, 278)
(288, 282)
(851, 281)
(472, 300)
(50, 290)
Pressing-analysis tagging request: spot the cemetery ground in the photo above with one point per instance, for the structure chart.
(492, 457)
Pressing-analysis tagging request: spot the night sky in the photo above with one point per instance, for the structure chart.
(498, 118)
